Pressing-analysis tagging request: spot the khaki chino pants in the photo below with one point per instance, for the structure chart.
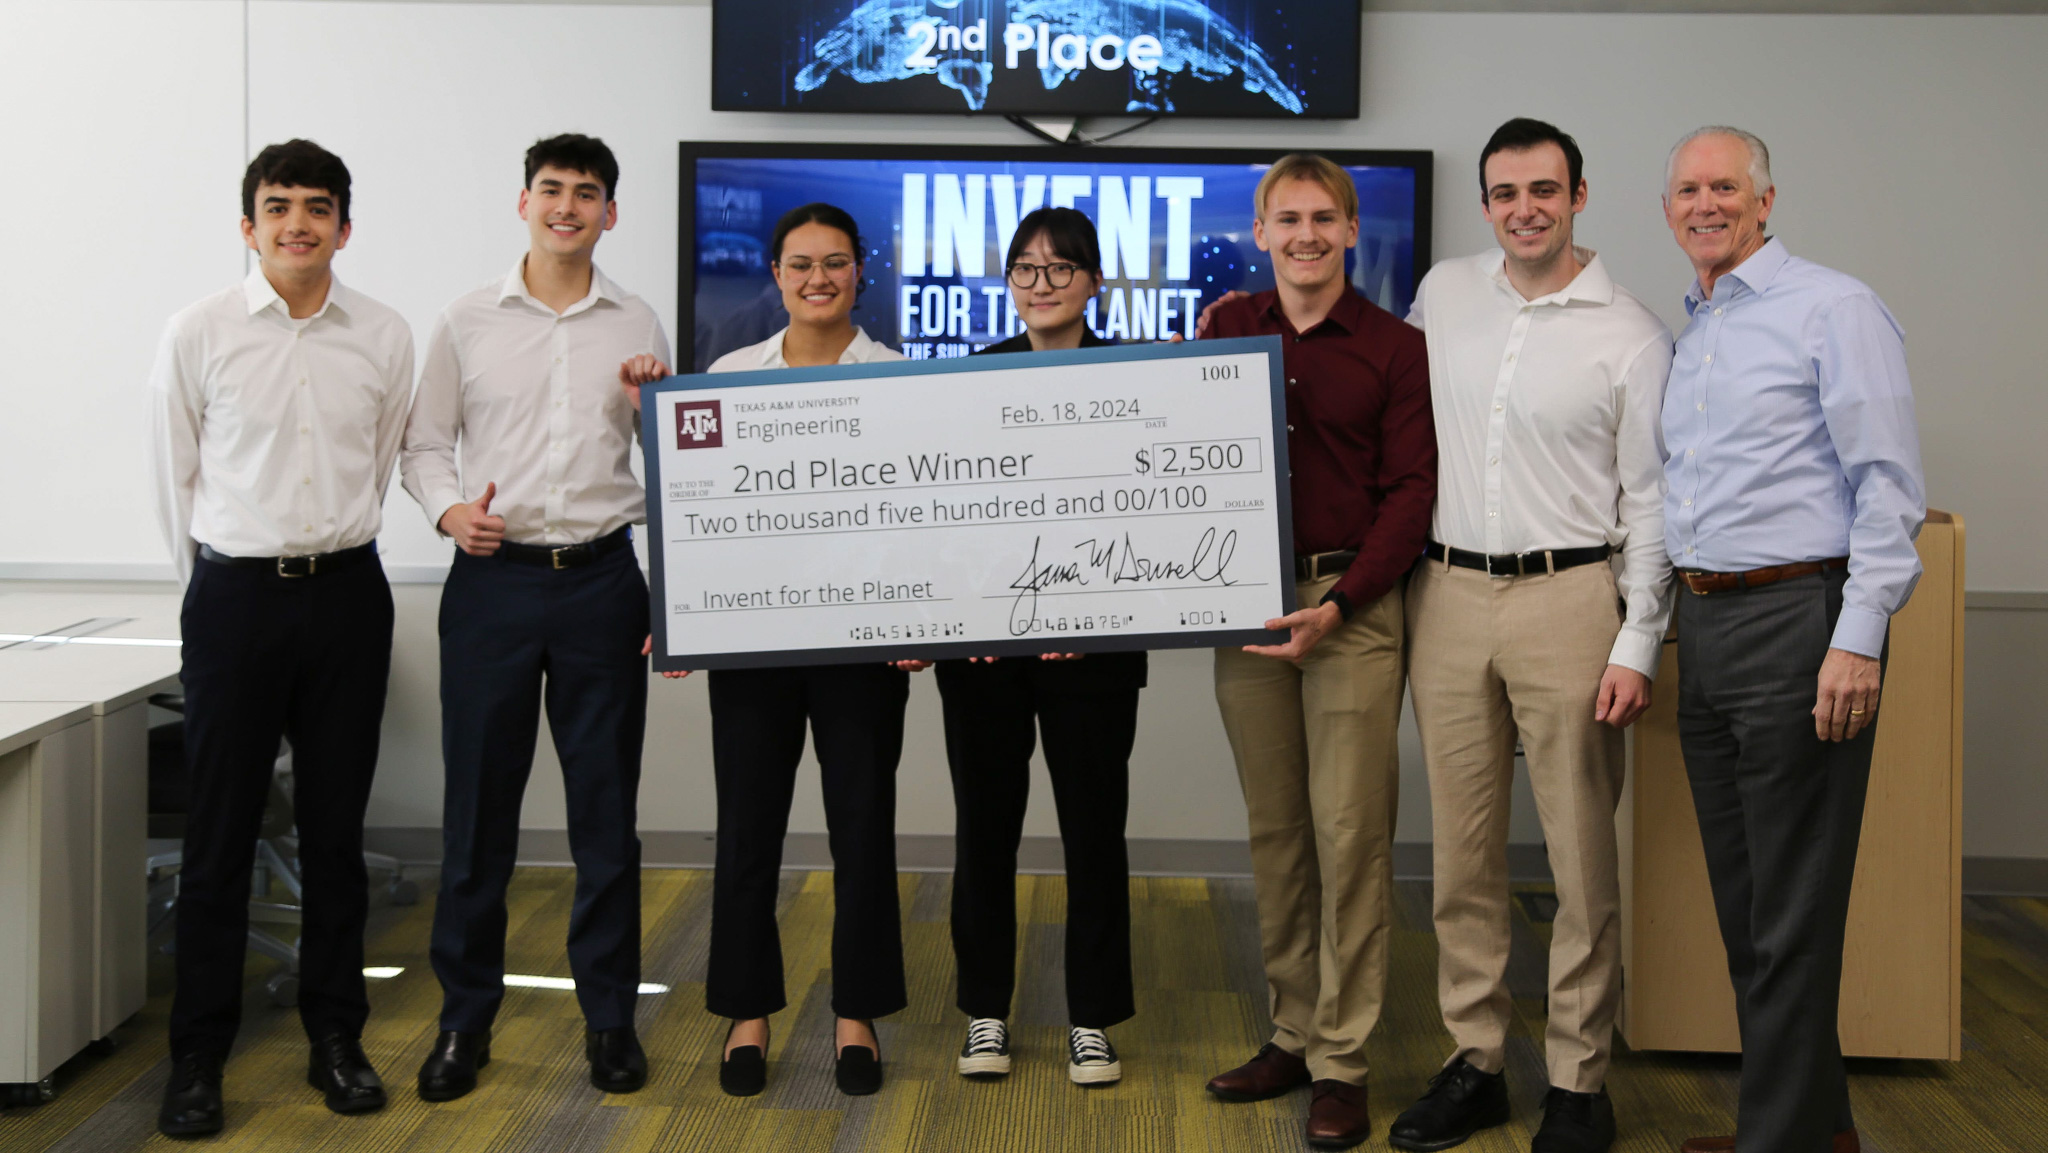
(1490, 657)
(1317, 755)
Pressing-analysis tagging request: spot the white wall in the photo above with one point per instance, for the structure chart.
(1908, 151)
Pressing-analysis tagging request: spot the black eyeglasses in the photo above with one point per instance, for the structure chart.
(1056, 275)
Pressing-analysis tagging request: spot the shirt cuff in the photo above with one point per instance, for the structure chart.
(439, 501)
(1638, 650)
(1861, 631)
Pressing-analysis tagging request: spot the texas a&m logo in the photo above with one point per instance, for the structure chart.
(698, 424)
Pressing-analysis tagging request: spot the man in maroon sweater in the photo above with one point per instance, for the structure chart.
(1312, 722)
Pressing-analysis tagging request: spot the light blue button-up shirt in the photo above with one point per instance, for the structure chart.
(1789, 436)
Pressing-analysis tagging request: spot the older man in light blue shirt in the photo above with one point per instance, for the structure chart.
(1793, 469)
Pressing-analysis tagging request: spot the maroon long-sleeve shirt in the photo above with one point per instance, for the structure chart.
(1361, 441)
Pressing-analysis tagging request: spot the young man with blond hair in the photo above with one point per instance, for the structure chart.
(1312, 721)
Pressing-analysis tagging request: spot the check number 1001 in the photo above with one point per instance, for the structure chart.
(1199, 458)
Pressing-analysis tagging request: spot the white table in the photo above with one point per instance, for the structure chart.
(48, 1002)
(76, 674)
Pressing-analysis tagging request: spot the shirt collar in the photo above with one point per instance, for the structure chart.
(601, 288)
(857, 352)
(258, 294)
(1592, 285)
(1345, 314)
(1755, 273)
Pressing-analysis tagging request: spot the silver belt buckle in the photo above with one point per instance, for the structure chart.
(555, 555)
(312, 563)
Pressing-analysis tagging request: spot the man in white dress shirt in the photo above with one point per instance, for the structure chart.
(545, 605)
(277, 407)
(1546, 380)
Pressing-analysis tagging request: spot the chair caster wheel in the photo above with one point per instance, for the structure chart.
(284, 990)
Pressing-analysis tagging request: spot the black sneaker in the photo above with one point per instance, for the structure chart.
(1460, 1102)
(986, 1052)
(1091, 1059)
(1575, 1123)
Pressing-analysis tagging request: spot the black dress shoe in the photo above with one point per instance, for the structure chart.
(1575, 1123)
(859, 1068)
(339, 1069)
(1460, 1102)
(450, 1069)
(617, 1063)
(744, 1071)
(191, 1098)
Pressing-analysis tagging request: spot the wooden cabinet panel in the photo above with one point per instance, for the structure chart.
(1902, 970)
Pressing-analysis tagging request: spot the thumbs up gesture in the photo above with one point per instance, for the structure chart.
(472, 526)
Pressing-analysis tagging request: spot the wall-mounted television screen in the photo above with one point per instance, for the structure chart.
(1175, 227)
(1038, 57)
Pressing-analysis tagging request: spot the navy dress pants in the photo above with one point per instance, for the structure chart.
(855, 713)
(305, 659)
(1088, 713)
(516, 638)
(1780, 814)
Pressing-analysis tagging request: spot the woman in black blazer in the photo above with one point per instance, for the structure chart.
(1087, 709)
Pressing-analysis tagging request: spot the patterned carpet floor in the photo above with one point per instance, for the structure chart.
(1201, 1008)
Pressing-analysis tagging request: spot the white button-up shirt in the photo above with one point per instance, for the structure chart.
(1547, 426)
(272, 436)
(768, 353)
(534, 398)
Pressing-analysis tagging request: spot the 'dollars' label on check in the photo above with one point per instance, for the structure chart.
(1103, 499)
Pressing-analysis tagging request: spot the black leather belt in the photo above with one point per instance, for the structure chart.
(1316, 566)
(305, 565)
(567, 555)
(1519, 564)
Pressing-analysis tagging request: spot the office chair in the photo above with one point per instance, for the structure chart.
(276, 856)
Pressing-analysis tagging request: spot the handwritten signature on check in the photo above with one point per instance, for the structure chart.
(1117, 562)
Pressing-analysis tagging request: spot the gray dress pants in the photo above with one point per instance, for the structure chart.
(1780, 811)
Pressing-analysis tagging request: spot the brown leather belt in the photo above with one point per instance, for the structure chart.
(1705, 583)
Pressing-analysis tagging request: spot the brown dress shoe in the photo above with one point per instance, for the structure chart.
(1336, 1115)
(1845, 1142)
(1273, 1072)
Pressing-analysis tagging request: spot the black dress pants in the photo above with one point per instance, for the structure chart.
(516, 638)
(1780, 813)
(1088, 712)
(305, 659)
(757, 737)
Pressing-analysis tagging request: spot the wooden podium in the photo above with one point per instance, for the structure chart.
(1902, 973)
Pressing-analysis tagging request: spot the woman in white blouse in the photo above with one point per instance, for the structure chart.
(855, 713)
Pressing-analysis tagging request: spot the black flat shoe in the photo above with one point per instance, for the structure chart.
(339, 1070)
(617, 1063)
(450, 1068)
(191, 1105)
(744, 1071)
(859, 1069)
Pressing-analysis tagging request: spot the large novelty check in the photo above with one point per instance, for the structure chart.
(1093, 500)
